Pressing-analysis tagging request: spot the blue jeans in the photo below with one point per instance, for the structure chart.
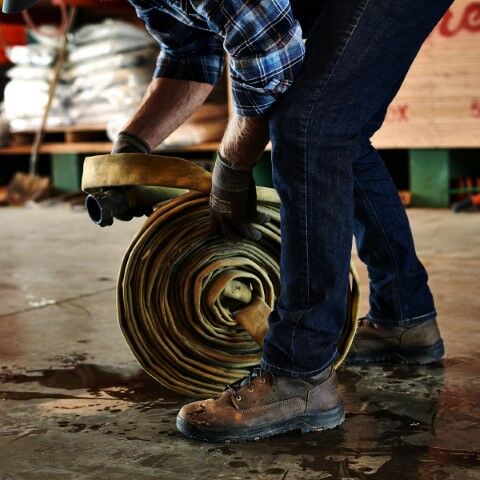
(333, 184)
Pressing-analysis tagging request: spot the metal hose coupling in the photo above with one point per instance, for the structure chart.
(105, 205)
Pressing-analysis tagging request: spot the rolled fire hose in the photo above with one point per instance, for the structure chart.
(194, 307)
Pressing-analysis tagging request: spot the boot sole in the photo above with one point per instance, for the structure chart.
(406, 355)
(311, 422)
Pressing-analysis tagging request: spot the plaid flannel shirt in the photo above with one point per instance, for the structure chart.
(263, 39)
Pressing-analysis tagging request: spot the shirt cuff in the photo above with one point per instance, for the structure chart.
(254, 92)
(250, 101)
(197, 68)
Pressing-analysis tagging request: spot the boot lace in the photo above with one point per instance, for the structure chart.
(247, 380)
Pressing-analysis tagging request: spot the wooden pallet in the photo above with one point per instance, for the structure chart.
(68, 135)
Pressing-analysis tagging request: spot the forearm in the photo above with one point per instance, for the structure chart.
(244, 140)
(233, 198)
(166, 105)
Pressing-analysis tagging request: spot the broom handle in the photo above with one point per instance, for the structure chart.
(51, 93)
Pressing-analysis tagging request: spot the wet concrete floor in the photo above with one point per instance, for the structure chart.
(75, 405)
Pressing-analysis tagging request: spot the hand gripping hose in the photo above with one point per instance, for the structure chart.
(192, 306)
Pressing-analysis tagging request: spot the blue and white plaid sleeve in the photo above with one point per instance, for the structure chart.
(266, 51)
(262, 37)
(186, 52)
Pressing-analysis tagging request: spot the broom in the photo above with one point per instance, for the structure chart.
(31, 187)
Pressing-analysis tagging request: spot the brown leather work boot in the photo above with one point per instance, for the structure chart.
(417, 344)
(262, 405)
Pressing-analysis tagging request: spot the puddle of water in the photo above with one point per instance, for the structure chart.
(97, 380)
(402, 421)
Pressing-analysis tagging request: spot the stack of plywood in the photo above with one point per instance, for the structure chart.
(439, 102)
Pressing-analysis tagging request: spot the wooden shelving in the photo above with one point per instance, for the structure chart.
(97, 147)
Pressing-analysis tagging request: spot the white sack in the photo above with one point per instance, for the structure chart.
(109, 28)
(34, 54)
(108, 47)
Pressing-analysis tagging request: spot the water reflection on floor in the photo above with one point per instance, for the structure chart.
(402, 422)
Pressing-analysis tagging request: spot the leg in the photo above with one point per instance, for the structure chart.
(357, 54)
(401, 324)
(399, 293)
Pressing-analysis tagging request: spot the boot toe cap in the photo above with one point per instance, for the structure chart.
(193, 411)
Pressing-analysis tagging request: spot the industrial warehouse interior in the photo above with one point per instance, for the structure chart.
(127, 297)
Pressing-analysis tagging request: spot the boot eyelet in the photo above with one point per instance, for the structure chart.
(263, 380)
(238, 398)
(250, 389)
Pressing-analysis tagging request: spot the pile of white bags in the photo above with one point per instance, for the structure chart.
(26, 93)
(110, 67)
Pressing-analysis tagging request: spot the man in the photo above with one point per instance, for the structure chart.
(319, 103)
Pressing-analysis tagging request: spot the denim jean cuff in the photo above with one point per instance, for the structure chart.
(407, 322)
(283, 372)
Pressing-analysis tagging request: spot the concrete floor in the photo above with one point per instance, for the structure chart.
(74, 404)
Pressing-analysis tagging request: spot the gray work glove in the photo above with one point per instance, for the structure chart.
(233, 202)
(129, 143)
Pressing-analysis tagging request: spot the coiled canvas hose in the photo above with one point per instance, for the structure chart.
(192, 306)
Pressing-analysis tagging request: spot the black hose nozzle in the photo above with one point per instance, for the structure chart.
(104, 206)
